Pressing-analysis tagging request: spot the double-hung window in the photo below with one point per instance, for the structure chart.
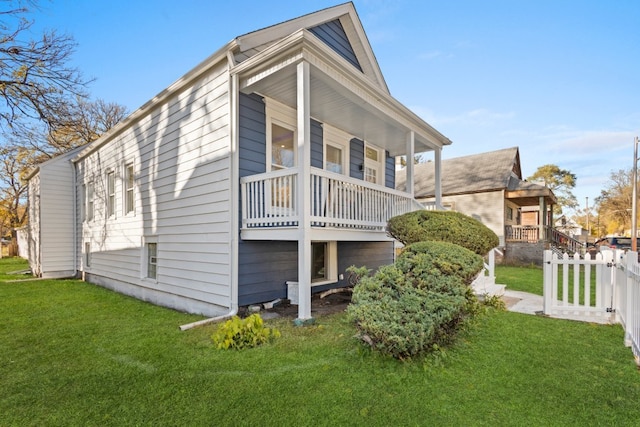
(152, 260)
(89, 202)
(128, 188)
(111, 193)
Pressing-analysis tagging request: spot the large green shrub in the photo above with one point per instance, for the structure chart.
(443, 226)
(419, 302)
(433, 260)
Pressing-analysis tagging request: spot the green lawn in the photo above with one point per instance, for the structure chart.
(530, 279)
(74, 354)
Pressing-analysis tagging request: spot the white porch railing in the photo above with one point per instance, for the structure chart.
(615, 293)
(269, 200)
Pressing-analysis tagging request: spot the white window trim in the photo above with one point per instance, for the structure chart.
(125, 190)
(144, 271)
(86, 259)
(339, 139)
(90, 200)
(284, 116)
(331, 259)
(111, 209)
(380, 178)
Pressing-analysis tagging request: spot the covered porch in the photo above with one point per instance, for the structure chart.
(305, 203)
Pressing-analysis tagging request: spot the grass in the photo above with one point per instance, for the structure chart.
(75, 354)
(530, 279)
(519, 278)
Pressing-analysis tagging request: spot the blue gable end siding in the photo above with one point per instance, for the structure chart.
(332, 33)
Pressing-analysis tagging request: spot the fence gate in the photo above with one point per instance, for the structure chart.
(579, 287)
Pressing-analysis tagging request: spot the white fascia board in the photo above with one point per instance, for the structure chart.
(177, 86)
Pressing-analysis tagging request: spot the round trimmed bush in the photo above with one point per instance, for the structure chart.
(443, 226)
(417, 303)
(440, 259)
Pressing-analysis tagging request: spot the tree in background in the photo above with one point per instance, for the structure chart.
(36, 81)
(614, 202)
(45, 110)
(561, 182)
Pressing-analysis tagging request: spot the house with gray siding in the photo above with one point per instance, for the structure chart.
(489, 187)
(262, 173)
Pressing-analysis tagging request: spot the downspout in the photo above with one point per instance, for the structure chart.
(75, 217)
(234, 178)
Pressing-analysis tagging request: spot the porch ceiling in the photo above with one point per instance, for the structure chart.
(337, 102)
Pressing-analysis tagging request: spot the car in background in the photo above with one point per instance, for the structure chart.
(614, 243)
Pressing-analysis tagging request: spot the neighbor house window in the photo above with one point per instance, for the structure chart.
(152, 260)
(90, 201)
(510, 214)
(128, 188)
(111, 193)
(324, 262)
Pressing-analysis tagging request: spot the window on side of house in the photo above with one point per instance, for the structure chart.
(128, 188)
(336, 149)
(83, 204)
(87, 254)
(111, 193)
(372, 164)
(90, 203)
(509, 213)
(152, 260)
(283, 153)
(324, 262)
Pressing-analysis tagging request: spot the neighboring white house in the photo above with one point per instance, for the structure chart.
(273, 157)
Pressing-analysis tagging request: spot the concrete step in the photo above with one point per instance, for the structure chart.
(489, 289)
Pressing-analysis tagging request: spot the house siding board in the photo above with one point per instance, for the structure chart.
(356, 159)
(333, 34)
(56, 246)
(252, 135)
(317, 145)
(181, 156)
(486, 207)
(390, 171)
(264, 269)
(372, 255)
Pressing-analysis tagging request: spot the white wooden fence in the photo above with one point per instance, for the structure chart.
(607, 287)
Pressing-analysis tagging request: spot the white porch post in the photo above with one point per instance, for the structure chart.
(438, 176)
(411, 137)
(543, 219)
(303, 196)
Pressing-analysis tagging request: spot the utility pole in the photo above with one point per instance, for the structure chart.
(634, 199)
(587, 210)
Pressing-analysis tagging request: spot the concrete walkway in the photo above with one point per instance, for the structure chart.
(526, 303)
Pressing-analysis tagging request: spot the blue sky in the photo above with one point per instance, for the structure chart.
(557, 78)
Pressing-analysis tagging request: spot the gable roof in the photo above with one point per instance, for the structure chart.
(345, 19)
(478, 173)
(468, 174)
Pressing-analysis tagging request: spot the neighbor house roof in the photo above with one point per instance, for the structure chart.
(476, 173)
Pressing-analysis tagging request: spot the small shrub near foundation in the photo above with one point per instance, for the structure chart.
(238, 334)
